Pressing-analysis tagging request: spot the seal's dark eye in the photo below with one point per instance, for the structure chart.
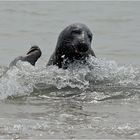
(90, 37)
(76, 32)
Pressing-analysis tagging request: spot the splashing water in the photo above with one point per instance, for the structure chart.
(97, 76)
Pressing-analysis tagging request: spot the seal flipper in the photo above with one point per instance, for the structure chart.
(32, 56)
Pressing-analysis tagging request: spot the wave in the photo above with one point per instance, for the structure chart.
(100, 78)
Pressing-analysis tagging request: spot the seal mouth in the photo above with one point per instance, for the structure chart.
(32, 49)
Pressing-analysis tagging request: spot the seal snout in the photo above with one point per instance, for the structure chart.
(82, 47)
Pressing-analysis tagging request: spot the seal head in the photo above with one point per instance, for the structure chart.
(74, 43)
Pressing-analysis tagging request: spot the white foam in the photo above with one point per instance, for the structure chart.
(25, 79)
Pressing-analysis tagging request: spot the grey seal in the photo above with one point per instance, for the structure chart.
(74, 43)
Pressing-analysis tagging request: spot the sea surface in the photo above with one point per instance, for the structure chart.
(99, 100)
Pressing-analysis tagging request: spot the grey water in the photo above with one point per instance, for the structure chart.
(100, 100)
